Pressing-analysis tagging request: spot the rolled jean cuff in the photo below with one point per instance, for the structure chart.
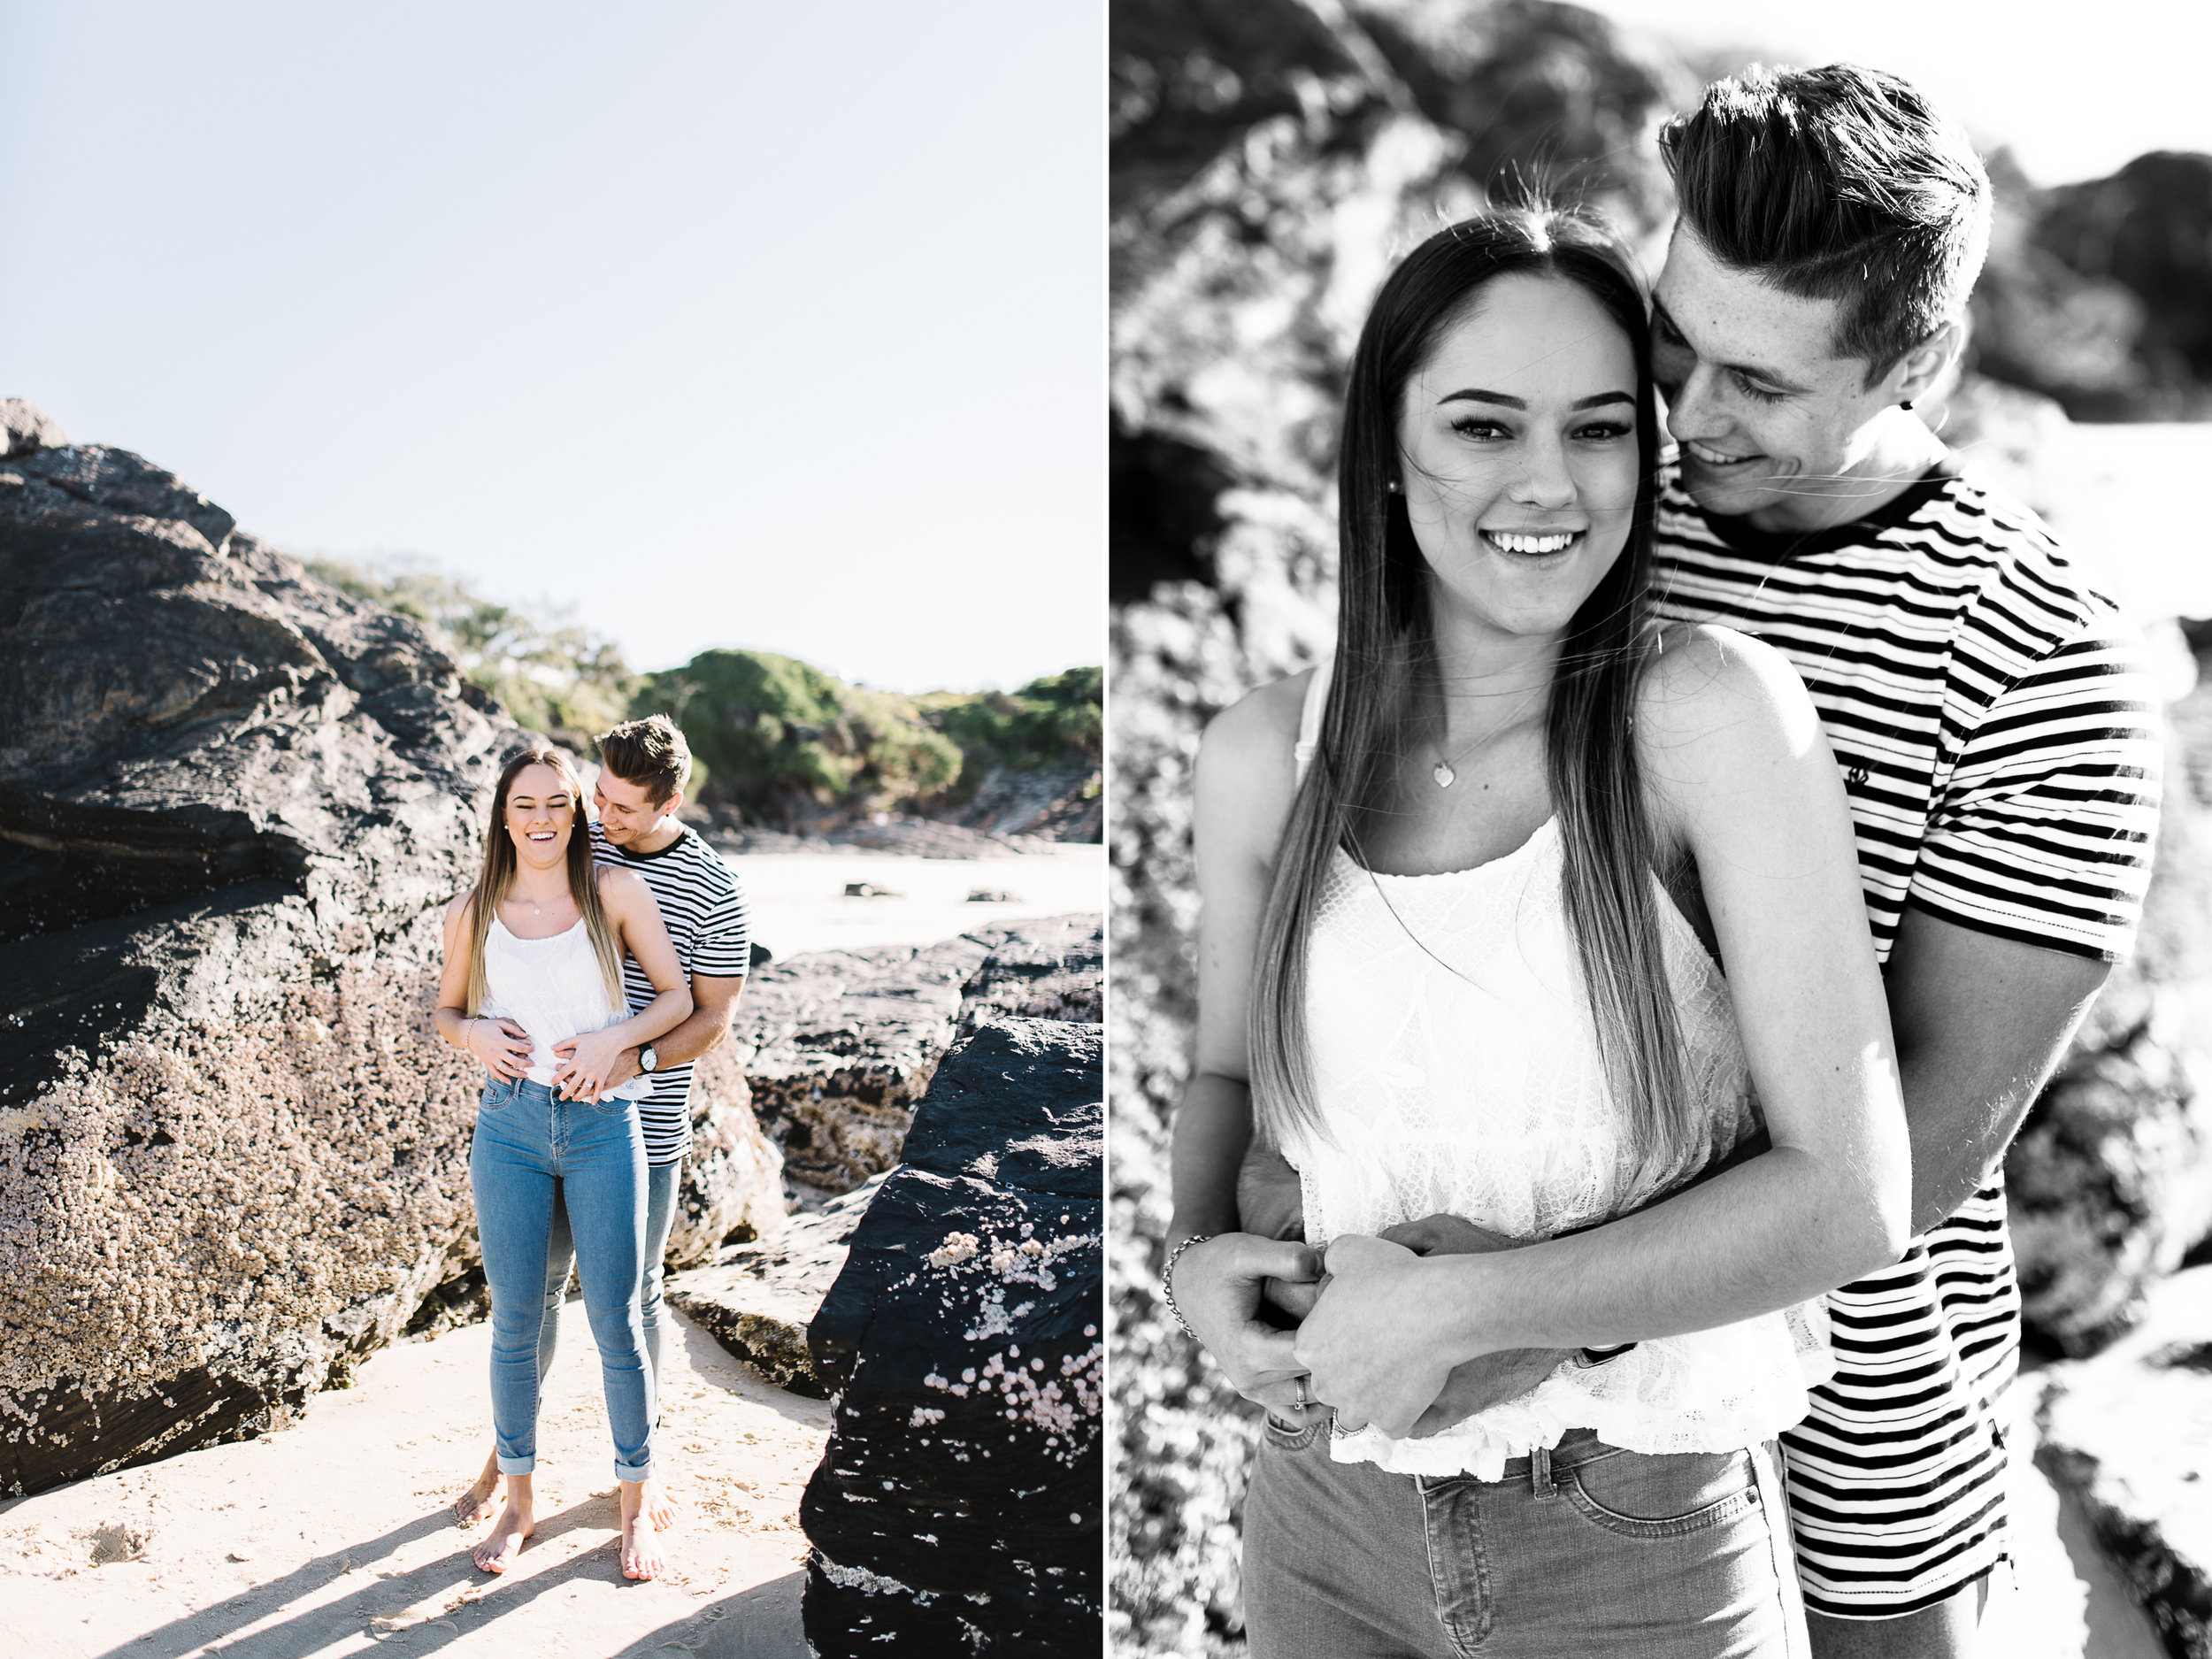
(518, 1466)
(639, 1472)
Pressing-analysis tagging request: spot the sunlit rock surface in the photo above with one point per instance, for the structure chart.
(958, 1506)
(839, 1045)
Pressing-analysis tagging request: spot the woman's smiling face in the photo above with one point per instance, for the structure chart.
(540, 815)
(1518, 457)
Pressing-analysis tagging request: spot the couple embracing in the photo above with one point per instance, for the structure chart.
(588, 969)
(1622, 965)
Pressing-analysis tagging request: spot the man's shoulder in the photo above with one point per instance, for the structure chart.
(700, 866)
(2027, 566)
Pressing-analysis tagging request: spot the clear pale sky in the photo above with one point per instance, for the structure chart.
(2075, 90)
(726, 324)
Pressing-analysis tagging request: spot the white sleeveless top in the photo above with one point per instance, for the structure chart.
(1456, 1068)
(553, 989)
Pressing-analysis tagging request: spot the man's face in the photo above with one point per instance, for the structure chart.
(625, 813)
(1773, 425)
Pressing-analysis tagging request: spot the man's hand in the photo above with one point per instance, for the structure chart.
(620, 1070)
(584, 1073)
(1368, 1340)
(1494, 1378)
(1217, 1288)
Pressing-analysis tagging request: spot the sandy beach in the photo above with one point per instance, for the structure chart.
(333, 1537)
(798, 900)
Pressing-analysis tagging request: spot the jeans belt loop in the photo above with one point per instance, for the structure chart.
(1539, 1480)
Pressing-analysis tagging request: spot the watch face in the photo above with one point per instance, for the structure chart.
(647, 1061)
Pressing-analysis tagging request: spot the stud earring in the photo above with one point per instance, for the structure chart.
(1906, 404)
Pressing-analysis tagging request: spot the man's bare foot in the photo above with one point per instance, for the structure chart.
(642, 1556)
(660, 1509)
(479, 1501)
(497, 1553)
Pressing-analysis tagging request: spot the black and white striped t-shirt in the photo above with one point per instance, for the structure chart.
(703, 909)
(1999, 743)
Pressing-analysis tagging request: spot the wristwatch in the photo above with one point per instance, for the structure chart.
(647, 1061)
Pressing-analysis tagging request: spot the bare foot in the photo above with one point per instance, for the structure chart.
(660, 1509)
(641, 1553)
(497, 1553)
(477, 1502)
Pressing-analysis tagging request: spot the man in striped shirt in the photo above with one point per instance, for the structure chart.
(1997, 738)
(644, 766)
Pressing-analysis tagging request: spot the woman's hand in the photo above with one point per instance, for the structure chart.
(1217, 1288)
(1366, 1342)
(1482, 1383)
(591, 1058)
(502, 1045)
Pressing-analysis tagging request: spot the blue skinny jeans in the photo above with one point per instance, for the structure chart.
(661, 1181)
(526, 1139)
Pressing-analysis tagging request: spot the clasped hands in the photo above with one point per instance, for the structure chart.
(1365, 1340)
(589, 1065)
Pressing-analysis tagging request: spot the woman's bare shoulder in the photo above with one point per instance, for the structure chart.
(1247, 771)
(1717, 709)
(1259, 729)
(457, 907)
(619, 888)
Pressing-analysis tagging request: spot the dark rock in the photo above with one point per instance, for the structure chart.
(956, 1506)
(838, 1045)
(758, 1299)
(2129, 1434)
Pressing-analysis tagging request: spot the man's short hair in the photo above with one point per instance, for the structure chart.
(651, 753)
(1839, 183)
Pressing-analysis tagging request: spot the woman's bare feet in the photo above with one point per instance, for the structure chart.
(478, 1501)
(516, 1522)
(642, 1556)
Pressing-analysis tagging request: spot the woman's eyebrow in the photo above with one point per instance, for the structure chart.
(1506, 399)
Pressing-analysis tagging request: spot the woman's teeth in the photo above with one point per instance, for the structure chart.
(1512, 544)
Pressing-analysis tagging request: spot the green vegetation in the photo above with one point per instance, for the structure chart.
(774, 738)
(783, 741)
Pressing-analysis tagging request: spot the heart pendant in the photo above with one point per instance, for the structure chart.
(1444, 775)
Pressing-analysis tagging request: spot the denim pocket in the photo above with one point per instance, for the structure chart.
(496, 1092)
(1639, 1495)
(1284, 1438)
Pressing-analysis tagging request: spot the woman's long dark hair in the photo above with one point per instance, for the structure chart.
(498, 875)
(1385, 637)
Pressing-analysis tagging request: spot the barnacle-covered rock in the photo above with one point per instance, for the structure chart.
(958, 1506)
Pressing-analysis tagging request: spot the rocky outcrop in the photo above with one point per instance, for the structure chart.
(232, 803)
(758, 1299)
(733, 1185)
(956, 1508)
(839, 1045)
(2129, 1433)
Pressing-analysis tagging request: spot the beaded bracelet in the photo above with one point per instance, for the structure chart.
(1167, 1280)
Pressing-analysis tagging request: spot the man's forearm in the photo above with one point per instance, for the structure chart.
(1753, 1239)
(704, 1030)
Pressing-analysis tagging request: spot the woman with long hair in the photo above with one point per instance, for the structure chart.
(534, 959)
(1466, 892)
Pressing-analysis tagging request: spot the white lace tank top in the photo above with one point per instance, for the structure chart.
(1455, 1068)
(553, 989)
